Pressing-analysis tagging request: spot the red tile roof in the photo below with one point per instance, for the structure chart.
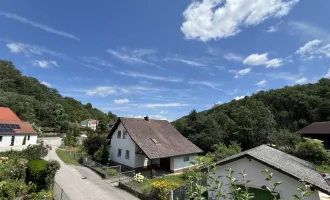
(93, 121)
(8, 114)
(156, 138)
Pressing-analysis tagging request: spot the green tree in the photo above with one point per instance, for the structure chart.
(312, 150)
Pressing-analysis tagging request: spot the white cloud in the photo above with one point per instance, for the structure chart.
(160, 117)
(262, 83)
(206, 83)
(147, 76)
(272, 29)
(327, 75)
(275, 28)
(120, 101)
(46, 83)
(163, 112)
(233, 57)
(102, 91)
(43, 27)
(314, 49)
(214, 19)
(242, 72)
(29, 50)
(135, 56)
(239, 98)
(45, 63)
(97, 61)
(158, 105)
(186, 61)
(301, 81)
(308, 31)
(219, 103)
(262, 59)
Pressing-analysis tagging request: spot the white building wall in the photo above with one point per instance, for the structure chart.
(141, 160)
(123, 144)
(5, 144)
(253, 170)
(178, 163)
(6, 141)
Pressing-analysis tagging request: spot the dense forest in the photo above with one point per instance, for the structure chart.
(41, 105)
(259, 118)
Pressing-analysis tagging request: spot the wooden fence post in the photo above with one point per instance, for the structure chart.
(170, 195)
(61, 193)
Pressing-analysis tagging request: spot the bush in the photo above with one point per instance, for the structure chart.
(52, 167)
(221, 151)
(31, 152)
(312, 150)
(285, 140)
(112, 172)
(37, 172)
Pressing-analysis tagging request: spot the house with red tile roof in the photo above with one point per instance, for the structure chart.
(144, 144)
(13, 131)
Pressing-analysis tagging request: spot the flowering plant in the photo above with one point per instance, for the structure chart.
(139, 178)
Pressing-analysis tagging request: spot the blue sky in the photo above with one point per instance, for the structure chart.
(165, 58)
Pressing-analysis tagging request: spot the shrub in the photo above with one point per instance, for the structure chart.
(160, 189)
(139, 178)
(36, 152)
(36, 172)
(221, 151)
(311, 150)
(51, 168)
(112, 172)
(186, 173)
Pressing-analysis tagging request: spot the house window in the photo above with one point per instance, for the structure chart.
(28, 137)
(1, 138)
(127, 154)
(186, 159)
(119, 153)
(119, 135)
(124, 134)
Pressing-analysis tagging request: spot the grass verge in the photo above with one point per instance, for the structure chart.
(171, 178)
(323, 168)
(66, 158)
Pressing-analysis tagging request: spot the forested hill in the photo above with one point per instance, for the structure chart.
(39, 104)
(253, 120)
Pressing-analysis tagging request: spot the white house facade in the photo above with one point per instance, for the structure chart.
(15, 134)
(89, 123)
(131, 151)
(253, 165)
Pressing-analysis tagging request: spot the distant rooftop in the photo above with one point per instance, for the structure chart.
(316, 128)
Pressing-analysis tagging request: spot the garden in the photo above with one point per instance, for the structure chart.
(25, 175)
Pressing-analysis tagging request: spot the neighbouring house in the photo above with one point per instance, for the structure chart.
(146, 143)
(286, 168)
(13, 131)
(89, 123)
(319, 131)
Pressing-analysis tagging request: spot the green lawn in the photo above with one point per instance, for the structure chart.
(66, 158)
(323, 168)
(172, 178)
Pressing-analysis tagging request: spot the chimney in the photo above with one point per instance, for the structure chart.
(146, 118)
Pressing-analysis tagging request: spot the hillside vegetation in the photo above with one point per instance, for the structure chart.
(41, 105)
(258, 119)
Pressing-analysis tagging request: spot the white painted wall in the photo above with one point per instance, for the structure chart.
(6, 142)
(141, 160)
(123, 144)
(253, 170)
(178, 163)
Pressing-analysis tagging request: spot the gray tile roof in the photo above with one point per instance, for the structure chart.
(168, 141)
(285, 163)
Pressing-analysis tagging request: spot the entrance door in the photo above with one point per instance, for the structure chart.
(165, 163)
(12, 140)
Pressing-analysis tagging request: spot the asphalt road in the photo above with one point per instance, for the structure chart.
(94, 187)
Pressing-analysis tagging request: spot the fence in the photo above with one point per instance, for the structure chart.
(59, 193)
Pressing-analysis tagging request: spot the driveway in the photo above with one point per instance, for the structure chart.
(94, 187)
